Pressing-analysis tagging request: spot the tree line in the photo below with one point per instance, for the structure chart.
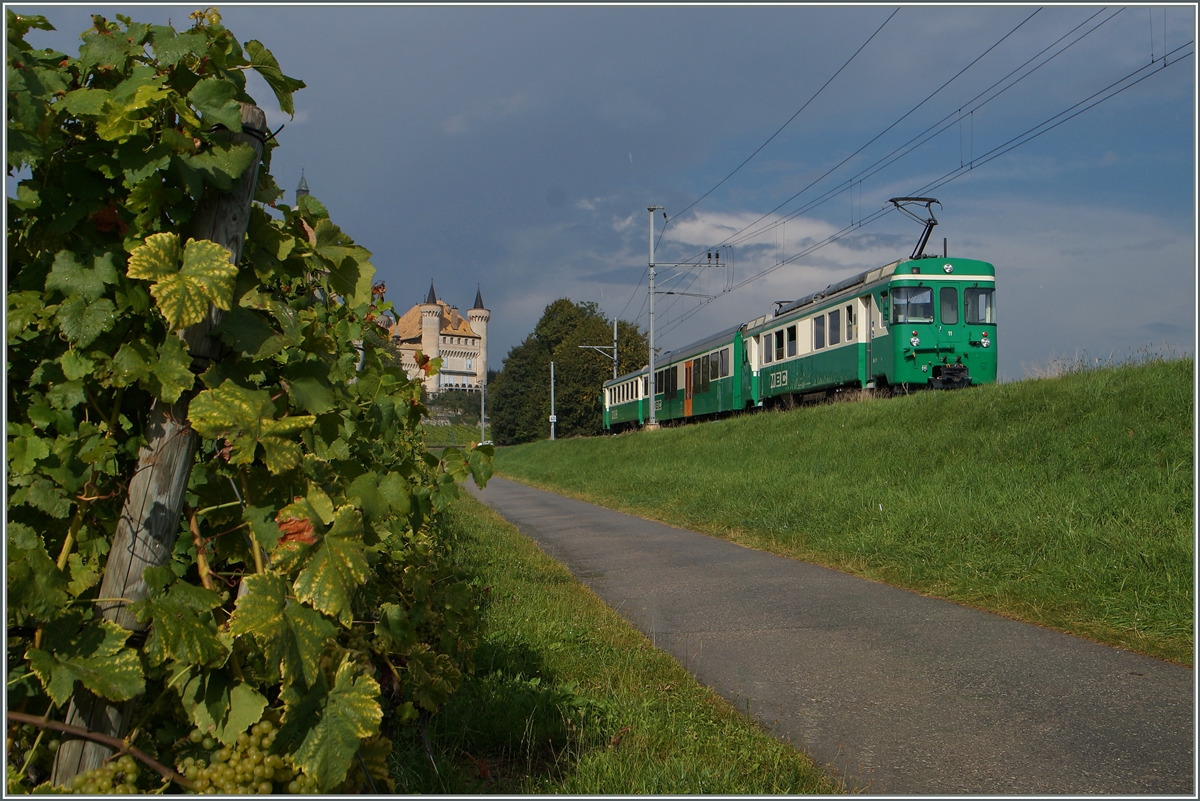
(519, 398)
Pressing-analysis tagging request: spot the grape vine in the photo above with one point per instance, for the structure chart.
(309, 595)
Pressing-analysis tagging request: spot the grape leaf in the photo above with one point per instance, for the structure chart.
(36, 587)
(323, 727)
(171, 370)
(338, 565)
(81, 322)
(70, 277)
(214, 99)
(93, 653)
(292, 636)
(243, 417)
(24, 449)
(222, 164)
(178, 615)
(170, 47)
(215, 705)
(395, 628)
(265, 64)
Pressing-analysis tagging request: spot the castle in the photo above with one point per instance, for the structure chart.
(438, 330)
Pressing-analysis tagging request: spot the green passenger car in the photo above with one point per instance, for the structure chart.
(914, 323)
(925, 322)
(921, 322)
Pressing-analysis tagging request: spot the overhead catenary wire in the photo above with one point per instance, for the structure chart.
(741, 236)
(874, 139)
(791, 118)
(1047, 125)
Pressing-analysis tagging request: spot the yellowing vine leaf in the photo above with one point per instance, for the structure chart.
(183, 293)
(337, 567)
(292, 636)
(94, 654)
(244, 417)
(325, 725)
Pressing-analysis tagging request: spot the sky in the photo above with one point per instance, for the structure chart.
(517, 149)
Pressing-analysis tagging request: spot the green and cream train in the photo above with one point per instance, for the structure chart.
(928, 321)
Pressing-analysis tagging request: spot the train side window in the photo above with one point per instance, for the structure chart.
(704, 367)
(835, 326)
(724, 362)
(645, 386)
(948, 298)
(849, 323)
(768, 351)
(714, 366)
(779, 344)
(980, 305)
(818, 332)
(791, 340)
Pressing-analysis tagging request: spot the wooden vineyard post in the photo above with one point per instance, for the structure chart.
(150, 518)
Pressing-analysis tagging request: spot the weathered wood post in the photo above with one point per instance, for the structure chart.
(150, 518)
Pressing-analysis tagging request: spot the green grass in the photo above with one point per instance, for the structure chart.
(567, 697)
(1063, 501)
(456, 435)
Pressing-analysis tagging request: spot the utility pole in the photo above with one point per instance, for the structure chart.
(482, 424)
(653, 424)
(602, 348)
(553, 417)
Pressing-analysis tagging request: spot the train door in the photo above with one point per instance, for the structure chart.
(687, 389)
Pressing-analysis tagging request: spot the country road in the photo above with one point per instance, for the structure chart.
(893, 692)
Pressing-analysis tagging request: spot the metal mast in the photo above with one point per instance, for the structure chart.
(653, 424)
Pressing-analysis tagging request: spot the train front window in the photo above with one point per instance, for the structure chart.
(912, 304)
(948, 297)
(980, 305)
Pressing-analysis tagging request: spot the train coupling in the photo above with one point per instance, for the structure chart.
(950, 376)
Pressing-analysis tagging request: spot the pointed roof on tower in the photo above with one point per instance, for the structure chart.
(478, 299)
(302, 189)
(432, 295)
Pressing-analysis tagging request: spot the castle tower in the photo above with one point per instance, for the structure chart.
(478, 317)
(302, 188)
(431, 331)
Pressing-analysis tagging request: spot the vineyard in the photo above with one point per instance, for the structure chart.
(225, 564)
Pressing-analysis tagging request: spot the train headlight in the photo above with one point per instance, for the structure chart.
(949, 268)
(916, 340)
(985, 341)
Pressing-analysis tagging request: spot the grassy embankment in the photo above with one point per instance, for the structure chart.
(1063, 501)
(568, 698)
(456, 435)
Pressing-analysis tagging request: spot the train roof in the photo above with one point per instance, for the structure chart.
(873, 276)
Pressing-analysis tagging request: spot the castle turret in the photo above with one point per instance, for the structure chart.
(302, 188)
(431, 329)
(478, 317)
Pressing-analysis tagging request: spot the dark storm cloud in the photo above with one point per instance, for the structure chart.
(518, 148)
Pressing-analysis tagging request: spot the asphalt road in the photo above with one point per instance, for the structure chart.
(894, 692)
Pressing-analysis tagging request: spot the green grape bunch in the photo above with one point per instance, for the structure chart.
(246, 767)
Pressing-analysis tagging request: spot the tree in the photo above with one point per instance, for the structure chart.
(521, 395)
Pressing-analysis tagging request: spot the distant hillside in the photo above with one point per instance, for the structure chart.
(1065, 501)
